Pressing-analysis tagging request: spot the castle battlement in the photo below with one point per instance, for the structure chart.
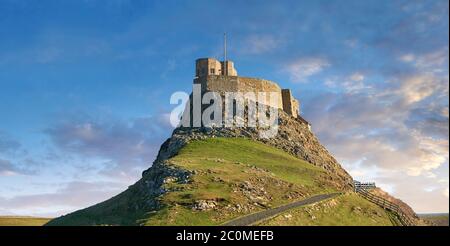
(222, 77)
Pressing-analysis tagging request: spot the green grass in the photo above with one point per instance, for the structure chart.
(233, 161)
(201, 155)
(22, 221)
(222, 167)
(346, 210)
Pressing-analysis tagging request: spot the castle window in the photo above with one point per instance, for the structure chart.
(212, 71)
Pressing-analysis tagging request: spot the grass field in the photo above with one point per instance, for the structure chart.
(22, 221)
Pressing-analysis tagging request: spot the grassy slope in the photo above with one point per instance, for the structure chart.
(222, 166)
(22, 221)
(348, 209)
(232, 161)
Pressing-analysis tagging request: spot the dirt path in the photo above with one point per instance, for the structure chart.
(253, 218)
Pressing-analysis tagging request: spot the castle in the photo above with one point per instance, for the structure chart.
(222, 77)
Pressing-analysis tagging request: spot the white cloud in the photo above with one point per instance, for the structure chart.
(423, 194)
(432, 62)
(301, 69)
(350, 84)
(428, 155)
(416, 88)
(355, 83)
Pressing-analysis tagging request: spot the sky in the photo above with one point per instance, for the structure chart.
(85, 88)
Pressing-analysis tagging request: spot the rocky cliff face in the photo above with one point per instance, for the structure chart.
(293, 137)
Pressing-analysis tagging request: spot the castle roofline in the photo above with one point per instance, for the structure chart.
(206, 58)
(211, 58)
(211, 66)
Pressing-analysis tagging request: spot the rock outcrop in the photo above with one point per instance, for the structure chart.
(294, 137)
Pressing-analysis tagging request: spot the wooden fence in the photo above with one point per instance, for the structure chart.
(362, 189)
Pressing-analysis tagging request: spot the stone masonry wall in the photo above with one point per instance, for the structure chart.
(290, 104)
(261, 85)
(222, 84)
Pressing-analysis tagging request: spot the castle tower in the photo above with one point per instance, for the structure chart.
(207, 66)
(228, 68)
(210, 66)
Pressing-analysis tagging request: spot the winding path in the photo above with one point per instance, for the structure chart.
(253, 218)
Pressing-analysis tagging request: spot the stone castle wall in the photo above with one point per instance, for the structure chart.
(246, 84)
(222, 84)
(218, 83)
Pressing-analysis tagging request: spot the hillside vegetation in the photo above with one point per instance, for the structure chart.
(232, 177)
(225, 178)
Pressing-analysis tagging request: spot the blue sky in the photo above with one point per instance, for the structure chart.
(85, 88)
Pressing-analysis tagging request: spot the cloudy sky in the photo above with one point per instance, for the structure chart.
(85, 88)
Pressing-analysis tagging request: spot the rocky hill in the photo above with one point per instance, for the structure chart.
(294, 137)
(208, 176)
